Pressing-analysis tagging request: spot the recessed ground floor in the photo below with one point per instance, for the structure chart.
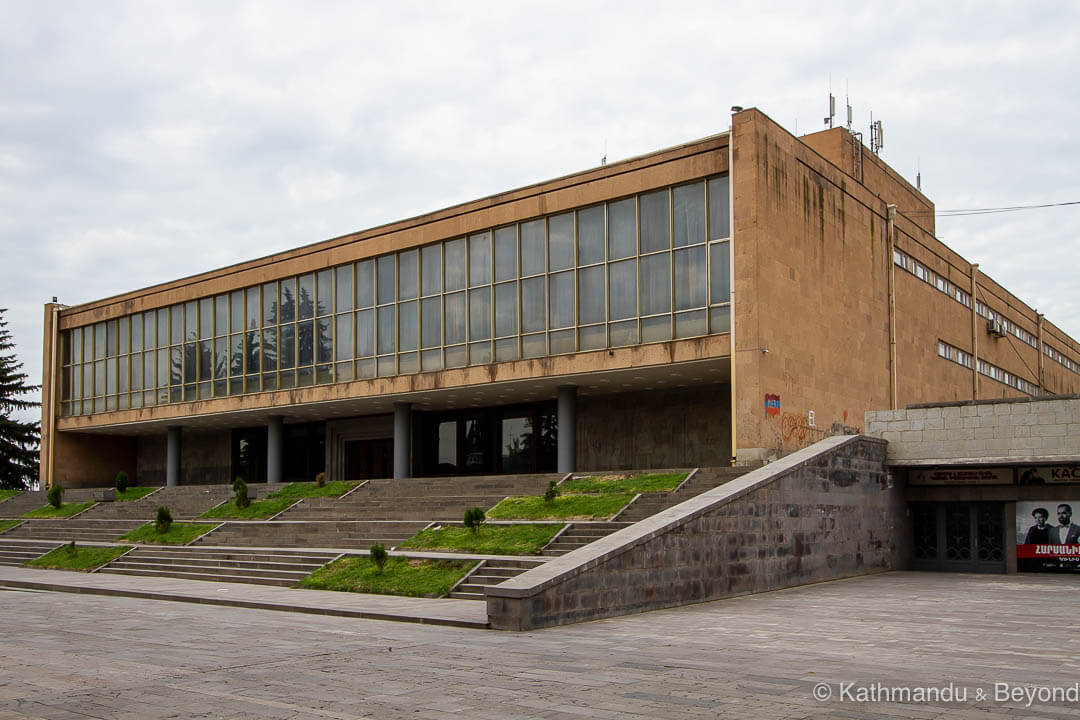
(815, 651)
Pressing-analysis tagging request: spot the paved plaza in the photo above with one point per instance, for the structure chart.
(869, 640)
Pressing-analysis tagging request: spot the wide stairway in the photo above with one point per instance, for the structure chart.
(429, 499)
(492, 572)
(648, 504)
(580, 534)
(185, 502)
(24, 502)
(77, 529)
(311, 534)
(259, 567)
(18, 552)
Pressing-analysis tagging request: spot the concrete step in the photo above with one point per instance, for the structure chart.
(72, 529)
(213, 577)
(18, 553)
(24, 502)
(272, 567)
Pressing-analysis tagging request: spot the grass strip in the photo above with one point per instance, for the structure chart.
(65, 510)
(568, 506)
(134, 493)
(402, 576)
(179, 533)
(5, 494)
(651, 482)
(489, 539)
(257, 510)
(77, 557)
(8, 524)
(295, 491)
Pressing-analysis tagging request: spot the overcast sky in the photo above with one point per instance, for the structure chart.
(145, 141)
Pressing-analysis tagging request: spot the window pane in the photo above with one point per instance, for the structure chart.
(561, 342)
(517, 445)
(455, 264)
(591, 305)
(719, 208)
(251, 342)
(689, 214)
(533, 304)
(622, 279)
(343, 338)
(454, 324)
(690, 278)
(269, 307)
(305, 297)
(110, 338)
(236, 311)
(324, 351)
(480, 313)
(690, 324)
(720, 319)
(206, 359)
(221, 315)
(719, 273)
(655, 234)
(590, 235)
(324, 285)
(110, 377)
(561, 312)
(343, 289)
(431, 323)
(236, 355)
(506, 253)
(365, 333)
(176, 365)
(593, 337)
(287, 300)
(407, 326)
(191, 320)
(221, 358)
(656, 329)
(560, 242)
(506, 309)
(149, 330)
(431, 269)
(162, 329)
(253, 309)
(136, 371)
(655, 284)
(76, 344)
(287, 346)
(387, 329)
(269, 350)
(122, 325)
(365, 284)
(305, 343)
(622, 229)
(407, 272)
(479, 259)
(533, 254)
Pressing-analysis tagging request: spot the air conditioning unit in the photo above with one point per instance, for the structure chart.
(995, 328)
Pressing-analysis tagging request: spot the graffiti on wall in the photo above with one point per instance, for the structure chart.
(794, 431)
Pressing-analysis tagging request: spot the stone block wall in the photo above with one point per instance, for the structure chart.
(980, 431)
(826, 512)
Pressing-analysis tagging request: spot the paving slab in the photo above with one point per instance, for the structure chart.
(439, 611)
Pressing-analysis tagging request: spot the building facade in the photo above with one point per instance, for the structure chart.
(728, 300)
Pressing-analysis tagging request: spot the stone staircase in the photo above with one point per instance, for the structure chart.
(580, 534)
(77, 529)
(259, 567)
(648, 504)
(492, 572)
(185, 502)
(311, 534)
(13, 552)
(430, 499)
(24, 502)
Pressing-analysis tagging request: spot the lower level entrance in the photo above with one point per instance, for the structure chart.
(365, 459)
(958, 537)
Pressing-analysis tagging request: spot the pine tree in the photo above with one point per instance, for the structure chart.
(18, 440)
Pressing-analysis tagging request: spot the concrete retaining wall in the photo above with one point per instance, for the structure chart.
(984, 432)
(826, 512)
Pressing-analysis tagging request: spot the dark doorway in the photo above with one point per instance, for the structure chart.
(365, 459)
(519, 439)
(305, 451)
(249, 454)
(959, 537)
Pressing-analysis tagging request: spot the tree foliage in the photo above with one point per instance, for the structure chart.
(18, 439)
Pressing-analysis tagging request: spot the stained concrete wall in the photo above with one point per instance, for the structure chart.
(826, 512)
(89, 461)
(657, 429)
(205, 458)
(1010, 431)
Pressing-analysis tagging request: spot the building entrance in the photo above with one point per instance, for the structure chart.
(958, 537)
(365, 459)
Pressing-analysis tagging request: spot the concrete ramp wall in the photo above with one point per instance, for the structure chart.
(823, 513)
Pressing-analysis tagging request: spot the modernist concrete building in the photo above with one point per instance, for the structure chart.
(729, 300)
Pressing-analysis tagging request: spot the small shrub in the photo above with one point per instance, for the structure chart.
(552, 492)
(56, 495)
(163, 521)
(122, 483)
(242, 499)
(320, 480)
(474, 518)
(379, 556)
(70, 547)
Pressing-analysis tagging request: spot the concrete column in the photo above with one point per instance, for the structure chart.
(275, 448)
(172, 458)
(402, 440)
(567, 442)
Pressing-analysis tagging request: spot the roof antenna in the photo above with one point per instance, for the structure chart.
(847, 101)
(832, 106)
(918, 174)
(603, 160)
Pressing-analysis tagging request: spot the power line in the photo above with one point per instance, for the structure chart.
(988, 211)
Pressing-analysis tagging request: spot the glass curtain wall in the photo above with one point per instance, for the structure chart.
(641, 269)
